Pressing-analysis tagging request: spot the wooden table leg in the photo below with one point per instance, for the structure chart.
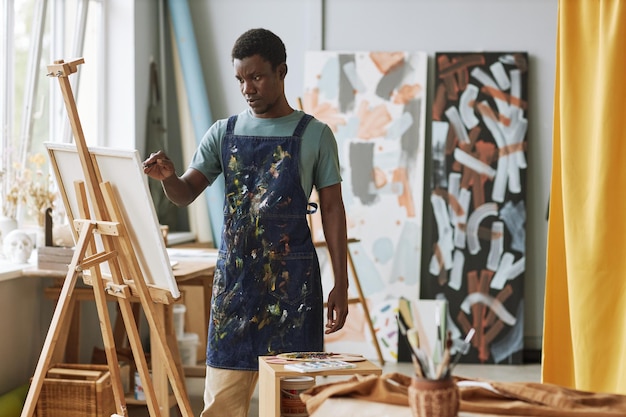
(269, 392)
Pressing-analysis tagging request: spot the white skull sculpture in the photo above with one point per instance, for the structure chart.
(17, 246)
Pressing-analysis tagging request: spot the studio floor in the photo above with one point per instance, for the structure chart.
(507, 373)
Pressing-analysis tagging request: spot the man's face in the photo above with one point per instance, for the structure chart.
(262, 87)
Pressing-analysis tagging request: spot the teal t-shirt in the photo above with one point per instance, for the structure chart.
(319, 159)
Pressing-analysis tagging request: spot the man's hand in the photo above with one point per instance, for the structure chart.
(158, 166)
(337, 310)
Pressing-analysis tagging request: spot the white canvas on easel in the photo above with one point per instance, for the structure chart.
(107, 207)
(122, 168)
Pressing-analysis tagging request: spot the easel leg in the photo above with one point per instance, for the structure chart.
(159, 373)
(108, 340)
(366, 310)
(59, 320)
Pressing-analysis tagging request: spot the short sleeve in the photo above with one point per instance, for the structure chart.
(328, 171)
(207, 157)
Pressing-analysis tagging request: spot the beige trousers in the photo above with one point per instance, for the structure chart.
(228, 392)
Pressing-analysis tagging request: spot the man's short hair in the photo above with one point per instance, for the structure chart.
(262, 42)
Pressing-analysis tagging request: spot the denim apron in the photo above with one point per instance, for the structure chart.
(267, 293)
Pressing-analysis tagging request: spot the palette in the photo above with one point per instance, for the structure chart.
(318, 356)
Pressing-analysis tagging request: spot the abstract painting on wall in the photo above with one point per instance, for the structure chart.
(477, 201)
(375, 103)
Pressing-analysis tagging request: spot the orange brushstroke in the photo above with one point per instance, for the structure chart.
(387, 61)
(405, 199)
(461, 318)
(324, 112)
(451, 141)
(478, 190)
(439, 102)
(502, 296)
(406, 93)
(486, 152)
(487, 112)
(460, 62)
(509, 149)
(454, 74)
(372, 122)
(447, 77)
(379, 178)
(491, 334)
(504, 96)
(474, 134)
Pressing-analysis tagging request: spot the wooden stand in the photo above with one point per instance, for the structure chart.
(126, 283)
(360, 297)
(270, 375)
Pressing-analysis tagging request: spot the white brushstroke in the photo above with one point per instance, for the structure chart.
(499, 184)
(461, 220)
(497, 246)
(515, 184)
(517, 268)
(493, 303)
(466, 106)
(499, 73)
(454, 184)
(457, 124)
(502, 274)
(487, 209)
(495, 128)
(434, 267)
(473, 163)
(456, 275)
(444, 229)
(486, 80)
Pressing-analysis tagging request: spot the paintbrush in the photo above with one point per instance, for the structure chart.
(463, 350)
(443, 368)
(420, 370)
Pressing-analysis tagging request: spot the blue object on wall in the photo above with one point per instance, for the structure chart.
(200, 110)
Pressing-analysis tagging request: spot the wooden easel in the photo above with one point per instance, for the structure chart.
(126, 284)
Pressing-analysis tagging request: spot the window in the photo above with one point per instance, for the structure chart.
(35, 33)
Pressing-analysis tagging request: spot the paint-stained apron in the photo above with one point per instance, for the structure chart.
(267, 294)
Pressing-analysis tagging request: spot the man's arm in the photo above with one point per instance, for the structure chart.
(179, 190)
(334, 225)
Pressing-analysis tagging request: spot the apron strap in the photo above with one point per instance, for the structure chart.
(230, 127)
(304, 121)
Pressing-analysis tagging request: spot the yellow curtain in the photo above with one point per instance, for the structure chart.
(584, 340)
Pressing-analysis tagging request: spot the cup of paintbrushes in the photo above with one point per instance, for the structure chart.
(438, 397)
(433, 397)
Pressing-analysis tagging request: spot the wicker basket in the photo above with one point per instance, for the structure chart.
(433, 398)
(73, 390)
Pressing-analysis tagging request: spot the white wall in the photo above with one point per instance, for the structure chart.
(419, 25)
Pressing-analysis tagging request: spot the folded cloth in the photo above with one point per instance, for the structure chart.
(388, 388)
(535, 399)
(478, 396)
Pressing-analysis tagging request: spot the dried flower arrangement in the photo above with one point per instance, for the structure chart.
(33, 187)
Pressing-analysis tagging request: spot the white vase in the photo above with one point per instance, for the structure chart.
(7, 225)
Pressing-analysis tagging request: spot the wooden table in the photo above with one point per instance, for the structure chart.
(270, 375)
